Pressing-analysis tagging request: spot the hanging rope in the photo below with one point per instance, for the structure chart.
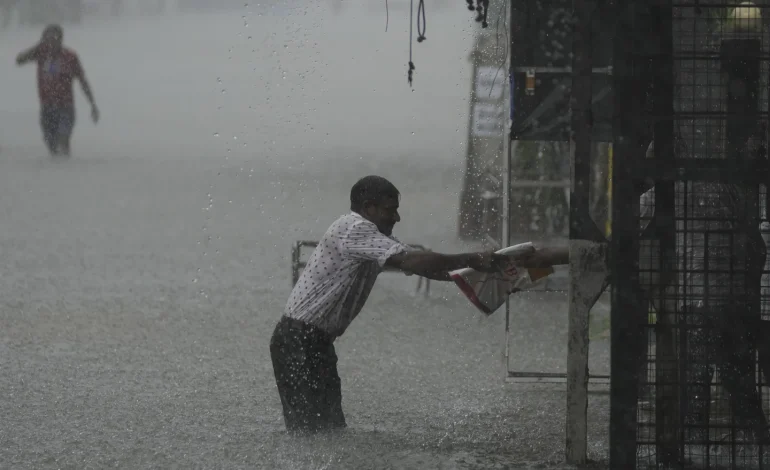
(421, 19)
(482, 7)
(421, 28)
(411, 64)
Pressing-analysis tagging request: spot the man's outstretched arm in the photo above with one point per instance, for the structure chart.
(27, 56)
(436, 266)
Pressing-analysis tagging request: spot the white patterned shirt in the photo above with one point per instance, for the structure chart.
(340, 274)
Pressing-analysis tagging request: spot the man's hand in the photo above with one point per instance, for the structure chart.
(542, 258)
(488, 262)
(28, 55)
(94, 113)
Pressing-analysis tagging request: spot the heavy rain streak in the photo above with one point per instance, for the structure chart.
(148, 221)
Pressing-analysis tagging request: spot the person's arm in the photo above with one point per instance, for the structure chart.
(437, 266)
(364, 242)
(27, 56)
(81, 76)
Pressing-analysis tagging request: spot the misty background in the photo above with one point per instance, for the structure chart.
(144, 275)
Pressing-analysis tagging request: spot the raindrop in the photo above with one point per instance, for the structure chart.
(216, 134)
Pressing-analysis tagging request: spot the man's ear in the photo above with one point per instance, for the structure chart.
(367, 207)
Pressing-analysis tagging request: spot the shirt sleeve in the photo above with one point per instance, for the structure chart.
(364, 242)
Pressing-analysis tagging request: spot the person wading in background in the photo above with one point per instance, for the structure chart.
(57, 67)
(333, 289)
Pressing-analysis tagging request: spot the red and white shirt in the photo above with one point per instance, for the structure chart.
(55, 76)
(340, 274)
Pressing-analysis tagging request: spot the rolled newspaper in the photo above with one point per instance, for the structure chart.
(488, 291)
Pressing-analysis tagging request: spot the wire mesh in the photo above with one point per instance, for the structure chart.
(702, 271)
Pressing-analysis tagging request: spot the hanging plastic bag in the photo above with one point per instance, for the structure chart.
(488, 291)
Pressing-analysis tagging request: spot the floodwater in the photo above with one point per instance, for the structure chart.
(142, 278)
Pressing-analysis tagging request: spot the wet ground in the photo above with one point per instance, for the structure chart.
(142, 278)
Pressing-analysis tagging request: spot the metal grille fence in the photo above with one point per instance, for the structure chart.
(690, 283)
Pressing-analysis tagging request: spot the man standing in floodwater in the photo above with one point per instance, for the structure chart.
(333, 289)
(57, 67)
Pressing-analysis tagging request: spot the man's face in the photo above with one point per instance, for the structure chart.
(384, 214)
(52, 43)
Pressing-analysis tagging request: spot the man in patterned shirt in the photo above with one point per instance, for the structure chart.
(332, 291)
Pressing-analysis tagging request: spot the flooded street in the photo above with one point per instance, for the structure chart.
(143, 277)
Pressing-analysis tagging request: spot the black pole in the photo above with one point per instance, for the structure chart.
(627, 315)
(667, 392)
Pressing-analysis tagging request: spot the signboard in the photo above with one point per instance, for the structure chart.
(488, 119)
(489, 83)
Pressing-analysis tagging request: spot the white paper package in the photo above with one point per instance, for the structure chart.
(488, 291)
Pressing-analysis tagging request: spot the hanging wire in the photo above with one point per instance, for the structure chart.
(387, 16)
(497, 43)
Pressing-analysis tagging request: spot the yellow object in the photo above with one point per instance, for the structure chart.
(530, 82)
(535, 274)
(745, 18)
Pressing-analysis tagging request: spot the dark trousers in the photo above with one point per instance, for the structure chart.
(57, 122)
(725, 341)
(305, 367)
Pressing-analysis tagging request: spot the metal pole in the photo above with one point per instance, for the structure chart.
(506, 220)
(506, 234)
(629, 310)
(508, 153)
(579, 297)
